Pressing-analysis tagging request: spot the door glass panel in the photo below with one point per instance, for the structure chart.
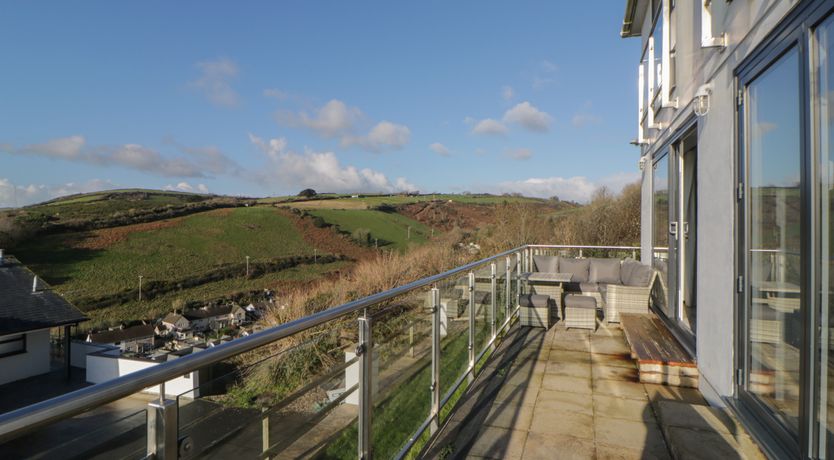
(688, 241)
(660, 239)
(825, 128)
(773, 249)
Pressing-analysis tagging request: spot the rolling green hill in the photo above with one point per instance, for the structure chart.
(391, 229)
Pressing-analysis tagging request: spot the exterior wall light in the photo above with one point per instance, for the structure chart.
(642, 163)
(701, 100)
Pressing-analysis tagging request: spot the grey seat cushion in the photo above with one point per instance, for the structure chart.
(546, 264)
(580, 301)
(641, 276)
(578, 268)
(589, 287)
(533, 300)
(605, 271)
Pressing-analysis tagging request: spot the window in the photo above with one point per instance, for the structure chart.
(711, 13)
(12, 345)
(660, 229)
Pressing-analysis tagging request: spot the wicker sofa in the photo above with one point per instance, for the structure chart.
(618, 286)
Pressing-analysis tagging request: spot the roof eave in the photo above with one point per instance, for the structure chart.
(627, 30)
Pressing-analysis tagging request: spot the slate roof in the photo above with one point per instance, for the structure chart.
(141, 331)
(172, 318)
(22, 310)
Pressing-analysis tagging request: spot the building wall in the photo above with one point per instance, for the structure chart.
(746, 25)
(102, 367)
(35, 361)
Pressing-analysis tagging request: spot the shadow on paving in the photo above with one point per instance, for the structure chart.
(473, 410)
(555, 394)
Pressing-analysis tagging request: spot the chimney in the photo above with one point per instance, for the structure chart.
(35, 284)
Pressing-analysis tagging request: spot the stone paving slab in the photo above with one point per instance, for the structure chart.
(574, 394)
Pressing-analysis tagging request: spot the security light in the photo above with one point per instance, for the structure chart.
(701, 100)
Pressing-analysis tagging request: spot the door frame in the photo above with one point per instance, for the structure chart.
(674, 170)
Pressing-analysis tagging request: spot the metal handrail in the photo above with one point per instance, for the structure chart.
(29, 418)
(574, 246)
(25, 419)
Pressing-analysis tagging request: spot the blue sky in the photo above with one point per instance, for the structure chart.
(270, 97)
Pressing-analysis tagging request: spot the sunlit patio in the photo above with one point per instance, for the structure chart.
(561, 393)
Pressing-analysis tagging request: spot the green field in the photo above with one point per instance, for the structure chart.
(193, 245)
(161, 305)
(371, 201)
(390, 228)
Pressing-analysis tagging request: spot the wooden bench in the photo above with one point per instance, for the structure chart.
(660, 357)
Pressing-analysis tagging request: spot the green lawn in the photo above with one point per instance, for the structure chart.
(197, 243)
(390, 228)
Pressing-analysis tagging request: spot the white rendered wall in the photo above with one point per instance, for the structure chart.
(35, 361)
(746, 24)
(103, 367)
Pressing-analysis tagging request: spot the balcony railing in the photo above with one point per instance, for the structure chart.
(379, 375)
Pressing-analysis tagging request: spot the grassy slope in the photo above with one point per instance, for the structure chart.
(197, 243)
(371, 201)
(102, 204)
(388, 227)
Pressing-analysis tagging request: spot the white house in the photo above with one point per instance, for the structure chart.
(137, 339)
(215, 317)
(27, 313)
(734, 124)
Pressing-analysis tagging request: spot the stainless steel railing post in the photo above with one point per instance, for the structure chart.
(518, 278)
(471, 326)
(435, 359)
(162, 429)
(365, 352)
(507, 287)
(492, 294)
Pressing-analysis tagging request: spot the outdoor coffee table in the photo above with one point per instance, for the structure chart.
(547, 283)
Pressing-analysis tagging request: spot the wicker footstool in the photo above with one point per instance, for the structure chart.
(580, 312)
(534, 310)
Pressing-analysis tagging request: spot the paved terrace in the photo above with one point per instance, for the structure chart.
(561, 394)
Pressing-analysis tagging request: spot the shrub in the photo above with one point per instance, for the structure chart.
(318, 222)
(362, 236)
(307, 193)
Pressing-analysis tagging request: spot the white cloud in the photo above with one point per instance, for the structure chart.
(321, 171)
(384, 136)
(577, 188)
(489, 126)
(337, 120)
(585, 116)
(529, 117)
(507, 93)
(440, 149)
(548, 66)
(215, 81)
(480, 152)
(12, 195)
(202, 161)
(334, 119)
(580, 120)
(186, 187)
(519, 153)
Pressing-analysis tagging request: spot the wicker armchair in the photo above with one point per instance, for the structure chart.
(627, 299)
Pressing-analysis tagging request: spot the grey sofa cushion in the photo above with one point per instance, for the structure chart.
(641, 276)
(577, 267)
(605, 271)
(533, 300)
(580, 301)
(546, 264)
(626, 269)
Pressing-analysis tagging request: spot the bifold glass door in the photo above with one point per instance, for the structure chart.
(674, 226)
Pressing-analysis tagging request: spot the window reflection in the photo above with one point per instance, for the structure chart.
(774, 154)
(660, 226)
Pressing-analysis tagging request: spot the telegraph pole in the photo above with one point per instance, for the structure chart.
(247, 266)
(140, 288)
